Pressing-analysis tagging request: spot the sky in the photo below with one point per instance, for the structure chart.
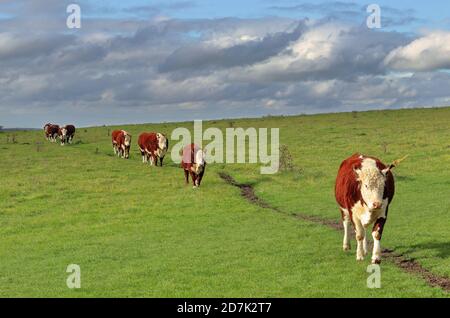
(180, 60)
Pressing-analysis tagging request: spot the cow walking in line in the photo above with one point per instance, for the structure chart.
(193, 163)
(66, 134)
(364, 189)
(51, 132)
(153, 147)
(121, 142)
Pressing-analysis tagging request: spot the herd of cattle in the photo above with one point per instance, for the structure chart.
(65, 133)
(364, 185)
(153, 147)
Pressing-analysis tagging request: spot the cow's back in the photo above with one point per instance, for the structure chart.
(188, 158)
(115, 136)
(148, 141)
(53, 129)
(70, 129)
(347, 190)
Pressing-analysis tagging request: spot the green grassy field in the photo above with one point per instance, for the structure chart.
(138, 231)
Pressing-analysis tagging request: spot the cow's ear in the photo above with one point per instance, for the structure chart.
(357, 172)
(385, 171)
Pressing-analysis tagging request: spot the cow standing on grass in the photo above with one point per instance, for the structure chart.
(121, 142)
(66, 134)
(51, 132)
(193, 163)
(364, 189)
(153, 147)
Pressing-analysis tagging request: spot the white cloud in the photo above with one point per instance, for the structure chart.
(430, 52)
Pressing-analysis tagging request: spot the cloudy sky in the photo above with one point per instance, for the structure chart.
(151, 61)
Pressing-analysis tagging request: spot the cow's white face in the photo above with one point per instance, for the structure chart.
(199, 162)
(372, 182)
(127, 140)
(63, 134)
(162, 141)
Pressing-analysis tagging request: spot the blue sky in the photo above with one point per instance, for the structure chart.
(433, 11)
(175, 60)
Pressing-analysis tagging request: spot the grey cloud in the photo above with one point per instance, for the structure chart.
(248, 53)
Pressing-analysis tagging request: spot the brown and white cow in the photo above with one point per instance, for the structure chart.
(193, 163)
(121, 142)
(153, 147)
(66, 134)
(51, 132)
(364, 189)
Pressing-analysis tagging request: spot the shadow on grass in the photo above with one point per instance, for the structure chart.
(442, 248)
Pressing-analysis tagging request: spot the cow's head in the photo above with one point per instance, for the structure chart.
(62, 134)
(127, 144)
(163, 143)
(199, 164)
(372, 183)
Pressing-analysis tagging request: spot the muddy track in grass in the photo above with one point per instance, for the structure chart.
(402, 261)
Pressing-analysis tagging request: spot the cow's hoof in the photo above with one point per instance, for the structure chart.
(360, 258)
(376, 261)
(346, 248)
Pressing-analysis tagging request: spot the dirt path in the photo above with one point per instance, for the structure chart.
(400, 260)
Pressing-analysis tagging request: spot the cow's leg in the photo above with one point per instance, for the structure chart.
(377, 233)
(194, 179)
(186, 176)
(142, 154)
(347, 225)
(161, 161)
(200, 177)
(360, 232)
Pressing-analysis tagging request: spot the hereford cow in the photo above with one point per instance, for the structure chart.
(364, 189)
(46, 132)
(121, 142)
(153, 147)
(51, 132)
(66, 134)
(193, 163)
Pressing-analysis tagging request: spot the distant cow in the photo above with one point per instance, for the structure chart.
(66, 134)
(193, 163)
(121, 142)
(153, 147)
(51, 132)
(364, 189)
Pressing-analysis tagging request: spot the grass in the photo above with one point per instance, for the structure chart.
(138, 231)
